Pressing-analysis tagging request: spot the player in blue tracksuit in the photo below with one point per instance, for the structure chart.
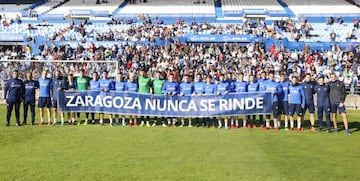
(44, 101)
(57, 84)
(323, 102)
(231, 81)
(171, 88)
(132, 86)
(240, 87)
(199, 86)
(94, 85)
(223, 88)
(276, 90)
(120, 87)
(296, 102)
(284, 104)
(262, 88)
(309, 99)
(106, 85)
(253, 86)
(13, 94)
(29, 97)
(210, 89)
(186, 89)
(199, 90)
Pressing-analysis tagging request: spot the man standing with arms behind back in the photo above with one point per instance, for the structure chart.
(13, 93)
(337, 99)
(29, 97)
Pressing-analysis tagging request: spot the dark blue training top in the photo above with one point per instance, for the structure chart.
(323, 94)
(30, 87)
(14, 90)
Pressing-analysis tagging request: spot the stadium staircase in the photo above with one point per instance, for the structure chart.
(218, 9)
(286, 8)
(56, 6)
(122, 5)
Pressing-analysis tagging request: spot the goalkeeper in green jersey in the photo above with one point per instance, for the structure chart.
(145, 87)
(82, 83)
(157, 87)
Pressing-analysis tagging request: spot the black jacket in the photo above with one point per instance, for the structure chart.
(337, 92)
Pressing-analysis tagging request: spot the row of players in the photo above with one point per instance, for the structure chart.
(289, 97)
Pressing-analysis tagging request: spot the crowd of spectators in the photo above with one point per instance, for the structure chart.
(188, 58)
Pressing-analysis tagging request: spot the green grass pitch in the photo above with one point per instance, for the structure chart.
(139, 153)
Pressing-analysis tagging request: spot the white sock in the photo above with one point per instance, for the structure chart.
(220, 124)
(232, 122)
(62, 120)
(41, 119)
(236, 122)
(244, 123)
(130, 121)
(111, 121)
(169, 121)
(174, 121)
(286, 124)
(292, 124)
(267, 124)
(54, 120)
(275, 124)
(101, 121)
(299, 124)
(123, 121)
(278, 124)
(72, 120)
(182, 122)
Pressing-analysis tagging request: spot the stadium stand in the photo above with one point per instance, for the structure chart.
(249, 7)
(85, 8)
(320, 7)
(164, 8)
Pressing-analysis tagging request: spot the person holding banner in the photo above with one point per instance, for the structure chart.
(57, 84)
(240, 87)
(120, 87)
(253, 86)
(94, 86)
(29, 97)
(82, 84)
(309, 99)
(199, 90)
(262, 88)
(223, 88)
(275, 88)
(283, 100)
(158, 84)
(186, 89)
(106, 85)
(13, 95)
(70, 85)
(296, 102)
(132, 86)
(322, 91)
(44, 101)
(145, 87)
(210, 89)
(171, 88)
